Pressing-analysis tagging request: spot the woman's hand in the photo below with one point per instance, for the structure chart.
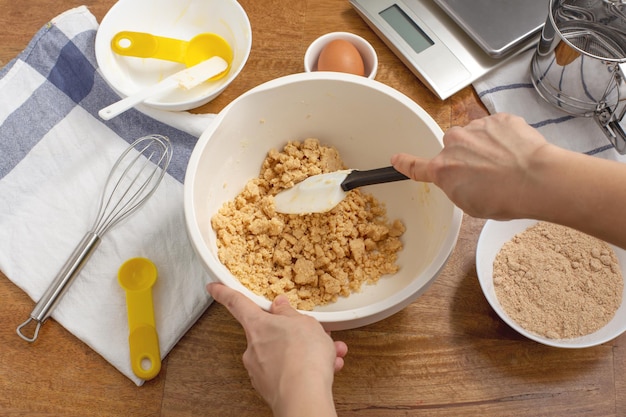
(484, 167)
(501, 168)
(291, 360)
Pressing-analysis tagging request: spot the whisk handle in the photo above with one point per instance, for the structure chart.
(60, 284)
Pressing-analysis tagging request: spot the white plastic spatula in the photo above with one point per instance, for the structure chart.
(321, 193)
(185, 79)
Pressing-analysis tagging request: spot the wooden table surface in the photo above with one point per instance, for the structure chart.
(446, 354)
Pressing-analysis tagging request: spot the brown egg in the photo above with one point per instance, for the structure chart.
(341, 56)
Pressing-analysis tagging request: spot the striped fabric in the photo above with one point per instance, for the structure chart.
(55, 154)
(509, 89)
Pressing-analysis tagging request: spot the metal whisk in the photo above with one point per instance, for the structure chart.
(133, 179)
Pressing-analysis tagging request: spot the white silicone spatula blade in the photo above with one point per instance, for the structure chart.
(321, 193)
(316, 194)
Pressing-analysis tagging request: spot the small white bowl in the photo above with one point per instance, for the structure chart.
(367, 122)
(493, 236)
(368, 54)
(173, 19)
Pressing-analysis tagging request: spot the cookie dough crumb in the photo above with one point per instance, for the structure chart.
(313, 258)
(557, 282)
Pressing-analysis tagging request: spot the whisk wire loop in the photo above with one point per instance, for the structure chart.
(128, 190)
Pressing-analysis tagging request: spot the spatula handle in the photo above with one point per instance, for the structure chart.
(131, 101)
(371, 176)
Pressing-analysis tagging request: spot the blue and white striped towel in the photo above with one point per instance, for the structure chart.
(55, 154)
(509, 89)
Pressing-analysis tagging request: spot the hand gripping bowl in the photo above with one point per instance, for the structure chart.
(367, 122)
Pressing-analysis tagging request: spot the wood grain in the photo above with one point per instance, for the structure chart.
(446, 354)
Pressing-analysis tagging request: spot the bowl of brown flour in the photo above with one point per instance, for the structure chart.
(553, 284)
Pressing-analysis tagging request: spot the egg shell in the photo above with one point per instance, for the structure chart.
(341, 56)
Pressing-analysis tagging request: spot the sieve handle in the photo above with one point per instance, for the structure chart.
(615, 124)
(60, 284)
(617, 136)
(610, 120)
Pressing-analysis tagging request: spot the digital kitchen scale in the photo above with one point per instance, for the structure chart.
(448, 44)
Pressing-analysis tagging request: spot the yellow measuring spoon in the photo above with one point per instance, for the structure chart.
(137, 276)
(198, 49)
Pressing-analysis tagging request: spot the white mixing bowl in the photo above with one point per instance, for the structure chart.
(173, 19)
(367, 122)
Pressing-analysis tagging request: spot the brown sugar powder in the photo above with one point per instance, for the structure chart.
(313, 258)
(557, 282)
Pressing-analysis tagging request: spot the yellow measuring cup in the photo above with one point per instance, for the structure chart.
(200, 48)
(137, 276)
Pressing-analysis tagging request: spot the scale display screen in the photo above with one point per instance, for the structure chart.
(406, 28)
